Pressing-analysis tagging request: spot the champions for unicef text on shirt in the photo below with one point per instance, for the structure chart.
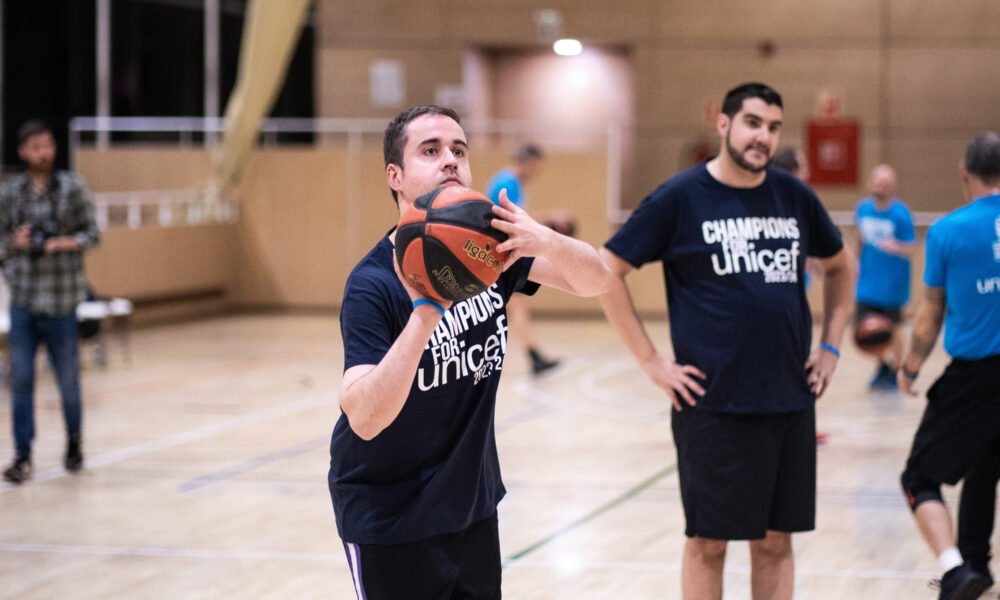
(434, 470)
(454, 358)
(739, 253)
(732, 260)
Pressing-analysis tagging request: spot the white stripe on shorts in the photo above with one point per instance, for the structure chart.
(355, 554)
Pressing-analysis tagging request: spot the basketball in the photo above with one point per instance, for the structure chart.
(445, 245)
(873, 333)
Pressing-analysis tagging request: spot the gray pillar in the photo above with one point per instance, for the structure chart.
(103, 70)
(1, 85)
(211, 66)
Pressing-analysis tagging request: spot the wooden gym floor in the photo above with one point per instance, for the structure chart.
(207, 459)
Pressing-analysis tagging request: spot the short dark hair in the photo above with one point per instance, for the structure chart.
(982, 157)
(786, 159)
(394, 139)
(733, 103)
(32, 128)
(528, 152)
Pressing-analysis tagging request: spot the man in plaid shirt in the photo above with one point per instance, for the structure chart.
(46, 224)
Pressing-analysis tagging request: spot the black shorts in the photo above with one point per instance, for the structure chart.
(743, 475)
(961, 420)
(894, 314)
(461, 565)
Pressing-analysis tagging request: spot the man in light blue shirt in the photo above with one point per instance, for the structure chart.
(527, 165)
(885, 246)
(959, 435)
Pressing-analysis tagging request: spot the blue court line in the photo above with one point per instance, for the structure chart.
(253, 463)
(627, 495)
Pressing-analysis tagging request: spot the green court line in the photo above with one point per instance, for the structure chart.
(628, 495)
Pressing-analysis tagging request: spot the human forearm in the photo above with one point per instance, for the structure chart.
(907, 249)
(560, 261)
(926, 328)
(88, 239)
(619, 309)
(373, 396)
(839, 276)
(682, 383)
(64, 243)
(581, 267)
(897, 248)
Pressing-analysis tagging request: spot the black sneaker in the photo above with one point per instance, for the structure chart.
(73, 461)
(540, 364)
(963, 583)
(983, 568)
(19, 471)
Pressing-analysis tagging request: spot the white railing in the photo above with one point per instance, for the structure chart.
(205, 132)
(163, 208)
(845, 218)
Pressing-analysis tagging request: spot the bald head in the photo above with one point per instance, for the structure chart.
(882, 183)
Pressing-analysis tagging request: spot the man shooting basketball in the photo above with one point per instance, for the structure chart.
(733, 236)
(959, 434)
(414, 475)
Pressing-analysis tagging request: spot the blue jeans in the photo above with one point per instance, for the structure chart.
(59, 333)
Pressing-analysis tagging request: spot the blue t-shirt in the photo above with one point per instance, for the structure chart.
(733, 261)
(884, 279)
(505, 178)
(434, 470)
(963, 257)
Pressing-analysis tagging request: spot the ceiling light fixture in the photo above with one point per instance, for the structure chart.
(567, 47)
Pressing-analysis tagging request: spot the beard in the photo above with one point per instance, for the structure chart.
(42, 165)
(742, 162)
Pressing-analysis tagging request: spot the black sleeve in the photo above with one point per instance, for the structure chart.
(645, 236)
(366, 321)
(518, 272)
(824, 237)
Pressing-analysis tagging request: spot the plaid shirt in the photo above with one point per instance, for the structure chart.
(52, 284)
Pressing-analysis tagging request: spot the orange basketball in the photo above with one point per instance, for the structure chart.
(445, 245)
(873, 333)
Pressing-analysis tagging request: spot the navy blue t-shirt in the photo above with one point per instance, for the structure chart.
(734, 260)
(433, 470)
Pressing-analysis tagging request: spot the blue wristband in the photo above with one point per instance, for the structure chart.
(831, 349)
(422, 301)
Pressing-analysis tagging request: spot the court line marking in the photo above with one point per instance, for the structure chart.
(587, 376)
(262, 416)
(730, 569)
(328, 557)
(603, 508)
(535, 412)
(592, 387)
(168, 552)
(253, 463)
(264, 459)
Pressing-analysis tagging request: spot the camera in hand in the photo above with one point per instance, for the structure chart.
(40, 233)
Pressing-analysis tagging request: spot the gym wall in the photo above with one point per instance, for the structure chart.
(918, 75)
(299, 233)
